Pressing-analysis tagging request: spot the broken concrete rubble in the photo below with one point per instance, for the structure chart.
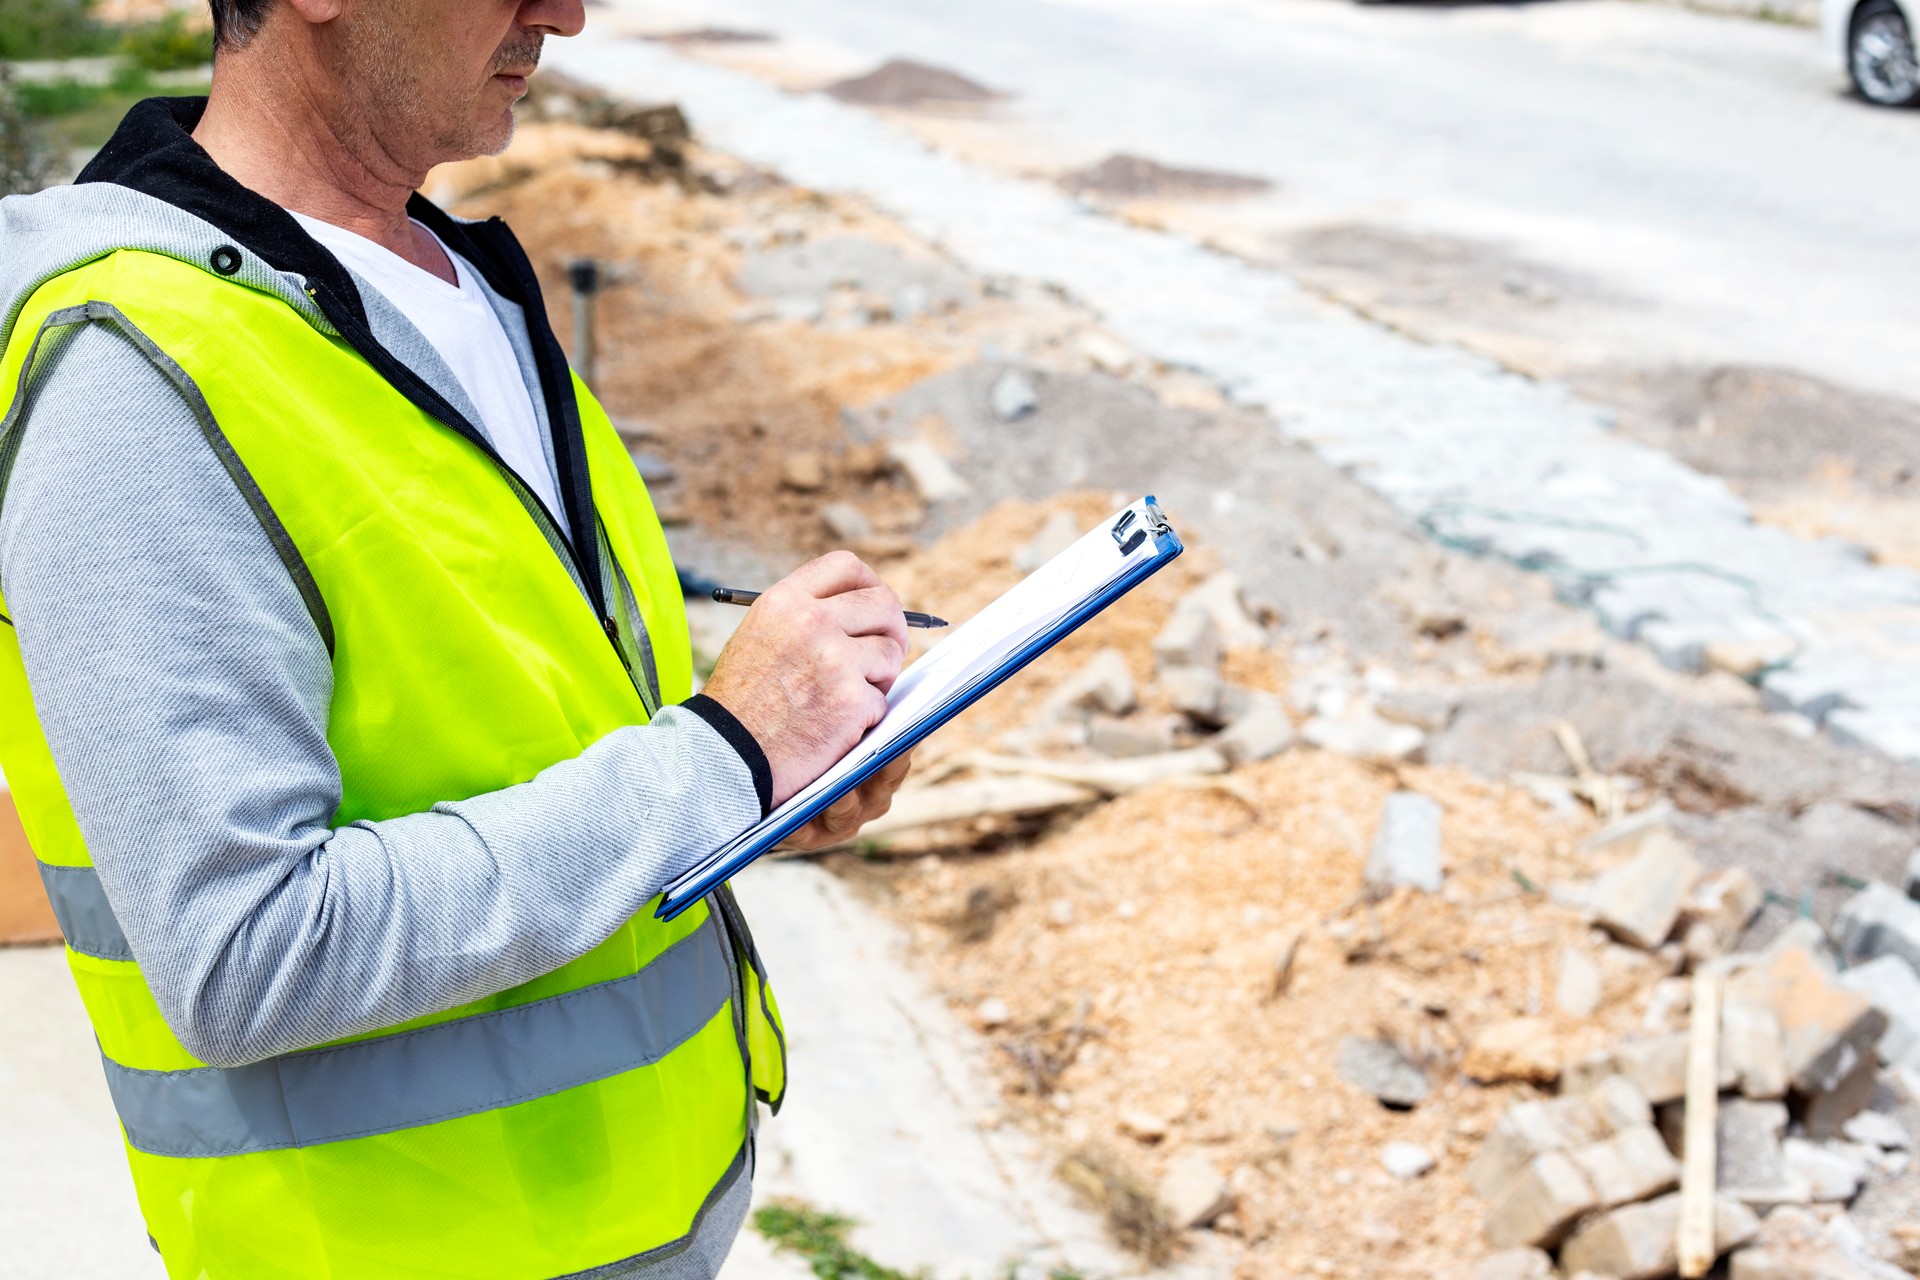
(1259, 732)
(1637, 1242)
(1630, 1166)
(1381, 1070)
(1515, 1264)
(1894, 988)
(1540, 1204)
(1406, 848)
(1533, 1128)
(1751, 1164)
(1196, 692)
(1516, 1050)
(1832, 1171)
(1104, 684)
(1718, 911)
(1059, 532)
(1640, 901)
(1794, 1244)
(1881, 921)
(1406, 1160)
(1190, 639)
(1013, 396)
(1132, 737)
(1362, 735)
(931, 475)
(1827, 1030)
(1750, 1038)
(1194, 1191)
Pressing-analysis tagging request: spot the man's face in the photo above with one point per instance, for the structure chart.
(436, 80)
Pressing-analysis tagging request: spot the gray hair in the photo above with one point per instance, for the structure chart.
(236, 21)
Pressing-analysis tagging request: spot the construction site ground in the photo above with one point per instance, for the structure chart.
(771, 348)
(1009, 1031)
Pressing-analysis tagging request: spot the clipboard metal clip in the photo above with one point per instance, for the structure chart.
(1129, 532)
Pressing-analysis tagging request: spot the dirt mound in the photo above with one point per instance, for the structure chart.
(903, 83)
(713, 35)
(1136, 177)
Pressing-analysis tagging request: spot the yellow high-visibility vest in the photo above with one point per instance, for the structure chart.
(579, 1121)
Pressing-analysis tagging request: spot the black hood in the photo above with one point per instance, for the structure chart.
(153, 152)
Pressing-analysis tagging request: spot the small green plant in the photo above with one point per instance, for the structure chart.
(821, 1240)
(167, 45)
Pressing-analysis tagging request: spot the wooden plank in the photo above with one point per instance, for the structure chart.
(1695, 1245)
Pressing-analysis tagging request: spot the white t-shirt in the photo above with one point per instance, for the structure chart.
(463, 327)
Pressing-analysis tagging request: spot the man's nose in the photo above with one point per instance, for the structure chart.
(553, 17)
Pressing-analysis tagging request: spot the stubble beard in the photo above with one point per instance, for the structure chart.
(410, 116)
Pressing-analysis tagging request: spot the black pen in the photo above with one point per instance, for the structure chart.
(727, 595)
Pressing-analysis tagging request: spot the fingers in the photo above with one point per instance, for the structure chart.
(834, 574)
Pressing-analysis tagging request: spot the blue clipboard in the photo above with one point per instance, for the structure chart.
(1128, 532)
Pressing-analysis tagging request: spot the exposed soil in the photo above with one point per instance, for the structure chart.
(905, 83)
(1123, 177)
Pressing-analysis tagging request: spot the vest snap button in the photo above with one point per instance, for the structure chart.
(225, 259)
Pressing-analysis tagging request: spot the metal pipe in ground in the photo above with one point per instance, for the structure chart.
(585, 276)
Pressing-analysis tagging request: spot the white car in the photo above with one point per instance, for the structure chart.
(1873, 40)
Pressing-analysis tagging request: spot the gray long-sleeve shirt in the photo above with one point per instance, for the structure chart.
(184, 691)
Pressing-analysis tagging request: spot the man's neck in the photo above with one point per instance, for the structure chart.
(274, 134)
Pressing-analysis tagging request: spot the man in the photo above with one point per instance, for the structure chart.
(344, 690)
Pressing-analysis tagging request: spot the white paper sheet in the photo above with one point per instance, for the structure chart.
(972, 653)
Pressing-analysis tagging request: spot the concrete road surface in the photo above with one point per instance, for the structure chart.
(1688, 187)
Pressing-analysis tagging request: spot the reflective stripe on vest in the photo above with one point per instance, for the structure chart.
(432, 1074)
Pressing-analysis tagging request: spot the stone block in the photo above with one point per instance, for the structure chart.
(1894, 989)
(1658, 1066)
(1750, 1163)
(1638, 1241)
(1260, 731)
(1577, 987)
(1013, 396)
(1195, 692)
(1793, 1244)
(1826, 1029)
(1632, 1165)
(1191, 638)
(1825, 1115)
(1718, 911)
(846, 522)
(1540, 1203)
(1880, 921)
(1221, 598)
(1833, 1172)
(1515, 1264)
(1125, 739)
(1639, 902)
(1194, 1192)
(1528, 1130)
(1751, 1044)
(1406, 1160)
(1381, 1070)
(1520, 1050)
(1406, 848)
(931, 475)
(1059, 532)
(1361, 735)
(1104, 684)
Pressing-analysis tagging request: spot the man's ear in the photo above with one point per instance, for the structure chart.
(317, 11)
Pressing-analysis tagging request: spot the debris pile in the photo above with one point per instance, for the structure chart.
(1588, 1180)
